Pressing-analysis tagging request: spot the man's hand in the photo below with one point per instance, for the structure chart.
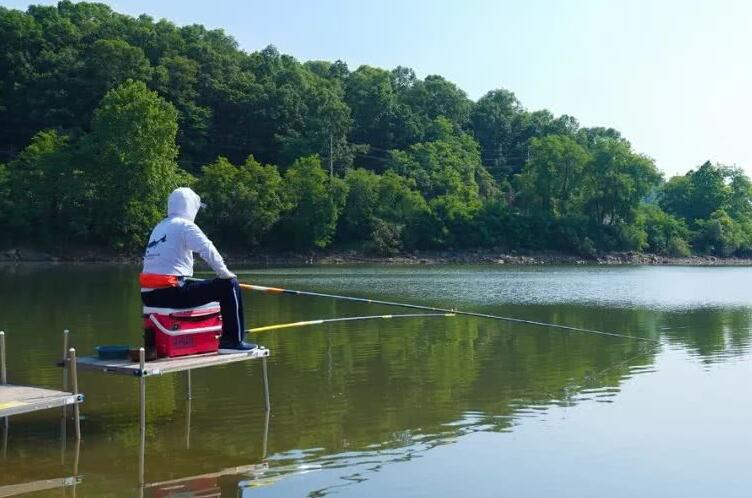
(227, 275)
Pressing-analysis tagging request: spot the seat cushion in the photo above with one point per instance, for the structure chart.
(204, 309)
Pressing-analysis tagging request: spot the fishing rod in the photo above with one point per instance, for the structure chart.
(293, 292)
(267, 328)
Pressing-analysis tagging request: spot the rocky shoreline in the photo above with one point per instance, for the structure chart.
(91, 255)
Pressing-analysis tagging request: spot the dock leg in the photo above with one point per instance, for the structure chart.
(76, 477)
(142, 413)
(266, 384)
(188, 424)
(3, 377)
(265, 441)
(63, 439)
(74, 383)
(188, 390)
(3, 381)
(76, 455)
(65, 369)
(6, 428)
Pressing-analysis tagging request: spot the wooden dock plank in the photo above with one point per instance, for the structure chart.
(23, 399)
(167, 365)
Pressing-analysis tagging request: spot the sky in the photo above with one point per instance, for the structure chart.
(674, 76)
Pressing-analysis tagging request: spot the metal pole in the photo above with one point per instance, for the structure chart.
(189, 390)
(76, 478)
(142, 412)
(65, 368)
(266, 384)
(3, 378)
(5, 439)
(266, 435)
(74, 383)
(3, 381)
(188, 424)
(76, 455)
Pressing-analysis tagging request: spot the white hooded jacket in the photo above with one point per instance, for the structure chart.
(174, 240)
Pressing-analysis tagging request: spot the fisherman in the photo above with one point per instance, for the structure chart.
(169, 260)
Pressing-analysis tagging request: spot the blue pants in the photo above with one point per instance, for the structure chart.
(196, 293)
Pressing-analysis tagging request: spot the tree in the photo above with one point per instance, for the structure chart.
(129, 159)
(617, 180)
(721, 235)
(42, 190)
(109, 63)
(243, 202)
(379, 118)
(665, 234)
(317, 201)
(740, 194)
(491, 120)
(432, 98)
(384, 211)
(176, 78)
(356, 224)
(552, 180)
(5, 205)
(446, 171)
(704, 191)
(434, 163)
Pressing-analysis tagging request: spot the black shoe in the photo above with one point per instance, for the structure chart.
(236, 347)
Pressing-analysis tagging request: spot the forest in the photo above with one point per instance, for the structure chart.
(103, 114)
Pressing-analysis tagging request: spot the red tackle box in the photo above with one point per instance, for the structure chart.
(180, 332)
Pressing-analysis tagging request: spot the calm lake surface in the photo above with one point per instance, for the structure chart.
(413, 407)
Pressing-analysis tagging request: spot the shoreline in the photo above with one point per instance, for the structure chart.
(351, 257)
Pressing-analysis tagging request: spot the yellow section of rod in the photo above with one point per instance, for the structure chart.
(291, 325)
(284, 326)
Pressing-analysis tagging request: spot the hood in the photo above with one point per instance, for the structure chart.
(183, 202)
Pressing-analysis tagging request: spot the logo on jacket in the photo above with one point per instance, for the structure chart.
(154, 243)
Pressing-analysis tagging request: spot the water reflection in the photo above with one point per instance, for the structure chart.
(68, 465)
(347, 399)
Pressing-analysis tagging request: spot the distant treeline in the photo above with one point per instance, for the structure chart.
(103, 114)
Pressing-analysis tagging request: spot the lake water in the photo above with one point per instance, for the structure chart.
(424, 407)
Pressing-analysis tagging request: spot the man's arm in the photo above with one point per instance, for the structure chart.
(197, 241)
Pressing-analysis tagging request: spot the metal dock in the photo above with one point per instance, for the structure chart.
(15, 400)
(141, 370)
(38, 486)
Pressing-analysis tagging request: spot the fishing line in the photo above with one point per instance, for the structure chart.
(293, 292)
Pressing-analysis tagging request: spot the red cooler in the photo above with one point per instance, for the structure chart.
(180, 332)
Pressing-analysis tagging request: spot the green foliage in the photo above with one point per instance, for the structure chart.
(697, 194)
(243, 202)
(446, 172)
(399, 203)
(665, 234)
(702, 192)
(381, 119)
(109, 63)
(617, 180)
(41, 189)
(5, 205)
(129, 161)
(721, 235)
(99, 108)
(552, 180)
(317, 201)
(358, 216)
